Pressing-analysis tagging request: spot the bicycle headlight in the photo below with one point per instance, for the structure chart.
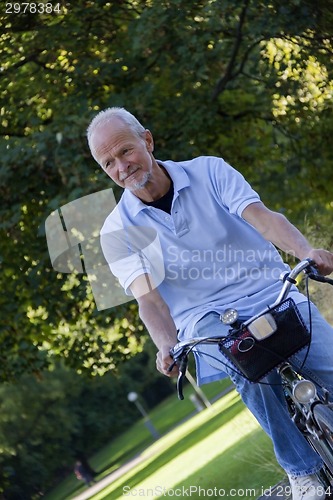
(229, 316)
(304, 391)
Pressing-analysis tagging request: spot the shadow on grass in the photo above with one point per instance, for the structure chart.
(186, 442)
(242, 471)
(167, 415)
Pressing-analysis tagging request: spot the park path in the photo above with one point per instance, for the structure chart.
(88, 493)
(109, 479)
(275, 493)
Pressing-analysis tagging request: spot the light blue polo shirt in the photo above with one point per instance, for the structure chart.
(203, 256)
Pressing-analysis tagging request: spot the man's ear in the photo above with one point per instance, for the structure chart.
(149, 141)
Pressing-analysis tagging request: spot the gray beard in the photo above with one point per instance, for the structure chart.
(140, 184)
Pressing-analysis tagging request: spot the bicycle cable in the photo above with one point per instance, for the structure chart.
(310, 320)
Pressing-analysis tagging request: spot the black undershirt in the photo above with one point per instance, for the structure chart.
(163, 203)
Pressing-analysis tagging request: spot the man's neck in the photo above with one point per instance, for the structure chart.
(156, 187)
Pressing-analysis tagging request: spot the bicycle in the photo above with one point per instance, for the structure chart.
(255, 346)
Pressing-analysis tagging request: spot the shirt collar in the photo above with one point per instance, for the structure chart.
(179, 178)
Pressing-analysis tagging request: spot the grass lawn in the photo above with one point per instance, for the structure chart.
(165, 416)
(219, 449)
(219, 452)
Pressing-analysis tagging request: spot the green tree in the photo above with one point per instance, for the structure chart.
(249, 81)
(46, 423)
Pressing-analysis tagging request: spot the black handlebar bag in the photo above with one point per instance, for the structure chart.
(258, 348)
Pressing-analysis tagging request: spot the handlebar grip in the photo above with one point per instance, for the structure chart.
(318, 277)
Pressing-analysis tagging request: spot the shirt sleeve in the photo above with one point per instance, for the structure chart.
(235, 192)
(131, 252)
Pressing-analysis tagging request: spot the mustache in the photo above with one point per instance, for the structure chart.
(124, 175)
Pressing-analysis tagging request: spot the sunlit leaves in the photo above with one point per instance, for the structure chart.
(248, 81)
(313, 88)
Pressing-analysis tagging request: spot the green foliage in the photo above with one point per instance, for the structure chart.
(249, 81)
(45, 424)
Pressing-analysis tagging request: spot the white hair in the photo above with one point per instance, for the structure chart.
(108, 115)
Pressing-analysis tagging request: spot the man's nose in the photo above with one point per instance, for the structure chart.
(122, 164)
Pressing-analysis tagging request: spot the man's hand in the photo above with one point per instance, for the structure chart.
(164, 361)
(323, 260)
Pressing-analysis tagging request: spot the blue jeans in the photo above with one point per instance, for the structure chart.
(266, 402)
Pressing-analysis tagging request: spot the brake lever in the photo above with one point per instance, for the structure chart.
(311, 269)
(313, 273)
(182, 366)
(171, 367)
(182, 371)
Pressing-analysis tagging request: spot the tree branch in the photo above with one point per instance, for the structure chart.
(228, 75)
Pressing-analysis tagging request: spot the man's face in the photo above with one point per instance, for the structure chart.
(123, 155)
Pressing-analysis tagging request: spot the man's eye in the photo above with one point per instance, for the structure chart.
(109, 163)
(127, 151)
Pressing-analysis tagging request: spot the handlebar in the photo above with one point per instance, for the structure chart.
(289, 279)
(180, 351)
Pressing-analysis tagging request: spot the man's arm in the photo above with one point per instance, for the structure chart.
(155, 314)
(276, 228)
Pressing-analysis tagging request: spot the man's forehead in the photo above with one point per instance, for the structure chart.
(113, 132)
(112, 126)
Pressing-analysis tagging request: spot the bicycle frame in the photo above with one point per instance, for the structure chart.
(302, 399)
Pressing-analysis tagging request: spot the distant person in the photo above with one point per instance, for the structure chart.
(82, 473)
